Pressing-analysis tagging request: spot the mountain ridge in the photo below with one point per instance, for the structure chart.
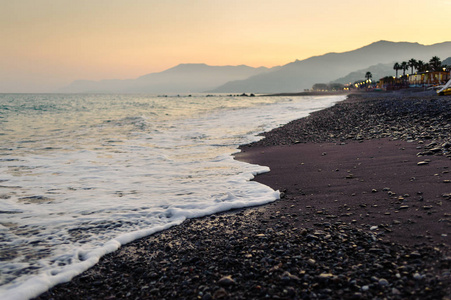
(182, 78)
(299, 75)
(292, 77)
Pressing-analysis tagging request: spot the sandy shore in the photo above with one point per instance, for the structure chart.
(365, 214)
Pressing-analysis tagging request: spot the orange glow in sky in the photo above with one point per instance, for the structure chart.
(46, 44)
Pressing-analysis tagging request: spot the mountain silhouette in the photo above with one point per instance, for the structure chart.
(300, 75)
(183, 78)
(377, 58)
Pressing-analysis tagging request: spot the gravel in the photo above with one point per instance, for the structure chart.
(259, 253)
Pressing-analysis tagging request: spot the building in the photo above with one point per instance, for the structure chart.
(429, 78)
(391, 83)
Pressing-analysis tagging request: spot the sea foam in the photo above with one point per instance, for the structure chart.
(84, 175)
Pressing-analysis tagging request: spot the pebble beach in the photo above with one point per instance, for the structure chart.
(365, 213)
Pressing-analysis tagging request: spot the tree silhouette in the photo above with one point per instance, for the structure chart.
(412, 63)
(420, 66)
(320, 87)
(397, 67)
(435, 64)
(368, 75)
(404, 67)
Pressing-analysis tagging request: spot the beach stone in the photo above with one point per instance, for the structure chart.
(207, 296)
(226, 281)
(417, 276)
(287, 276)
(220, 294)
(375, 250)
(383, 282)
(326, 275)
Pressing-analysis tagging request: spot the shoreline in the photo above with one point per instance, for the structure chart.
(336, 93)
(375, 185)
(384, 162)
(287, 249)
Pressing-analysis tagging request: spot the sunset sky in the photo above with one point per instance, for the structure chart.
(46, 44)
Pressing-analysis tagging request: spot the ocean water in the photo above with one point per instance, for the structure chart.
(81, 175)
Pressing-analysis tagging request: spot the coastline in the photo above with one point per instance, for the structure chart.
(293, 248)
(387, 165)
(333, 93)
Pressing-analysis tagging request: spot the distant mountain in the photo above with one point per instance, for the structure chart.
(377, 71)
(378, 58)
(184, 78)
(447, 62)
(300, 75)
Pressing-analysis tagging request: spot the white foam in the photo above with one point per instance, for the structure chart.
(81, 191)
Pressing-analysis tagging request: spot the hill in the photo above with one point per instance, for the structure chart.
(184, 78)
(377, 71)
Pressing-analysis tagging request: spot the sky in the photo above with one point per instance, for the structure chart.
(47, 44)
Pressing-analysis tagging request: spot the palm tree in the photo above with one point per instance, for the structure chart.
(435, 63)
(368, 75)
(412, 63)
(397, 67)
(420, 66)
(404, 67)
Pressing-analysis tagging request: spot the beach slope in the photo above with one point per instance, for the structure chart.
(365, 214)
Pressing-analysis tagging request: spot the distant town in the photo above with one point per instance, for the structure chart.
(431, 75)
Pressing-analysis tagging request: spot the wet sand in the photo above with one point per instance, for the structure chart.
(365, 213)
(376, 183)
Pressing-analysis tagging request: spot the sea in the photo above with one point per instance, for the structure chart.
(83, 174)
